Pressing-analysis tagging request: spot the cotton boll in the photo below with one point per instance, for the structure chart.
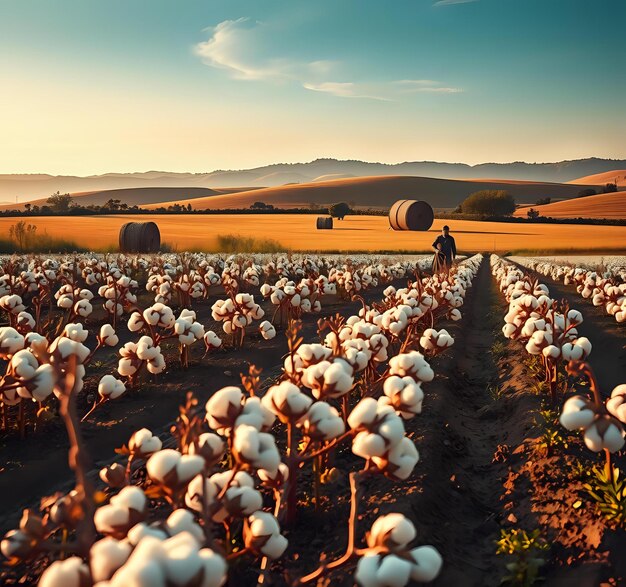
(616, 405)
(428, 563)
(142, 443)
(255, 449)
(106, 557)
(263, 535)
(286, 401)
(399, 462)
(321, 422)
(76, 332)
(201, 493)
(267, 330)
(604, 433)
(392, 531)
(71, 572)
(108, 336)
(578, 413)
(210, 447)
(223, 408)
(172, 469)
(110, 388)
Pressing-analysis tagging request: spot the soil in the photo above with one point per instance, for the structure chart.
(481, 465)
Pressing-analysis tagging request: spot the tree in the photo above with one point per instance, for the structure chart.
(489, 203)
(27, 206)
(542, 201)
(261, 206)
(610, 188)
(59, 202)
(533, 214)
(339, 210)
(113, 204)
(22, 233)
(586, 192)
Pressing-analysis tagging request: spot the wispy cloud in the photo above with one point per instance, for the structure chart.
(449, 2)
(243, 48)
(385, 91)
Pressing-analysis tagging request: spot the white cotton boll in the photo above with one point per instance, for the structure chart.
(11, 341)
(322, 422)
(387, 571)
(223, 408)
(110, 388)
(552, 352)
(83, 308)
(169, 467)
(255, 414)
(201, 493)
(25, 321)
(23, 365)
(156, 365)
(393, 531)
(211, 340)
(286, 401)
(108, 336)
(210, 447)
(428, 563)
(71, 572)
(43, 382)
(400, 460)
(616, 405)
(254, 448)
(267, 330)
(136, 322)
(106, 557)
(578, 413)
(65, 302)
(363, 413)
(263, 535)
(182, 521)
(75, 332)
(604, 433)
(141, 530)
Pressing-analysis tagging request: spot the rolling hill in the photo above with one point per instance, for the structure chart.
(614, 176)
(375, 192)
(34, 186)
(136, 196)
(611, 205)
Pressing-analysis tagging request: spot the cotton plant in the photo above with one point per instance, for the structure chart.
(236, 313)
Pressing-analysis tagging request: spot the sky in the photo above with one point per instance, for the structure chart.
(94, 86)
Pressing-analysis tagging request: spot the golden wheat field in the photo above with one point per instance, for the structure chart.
(355, 233)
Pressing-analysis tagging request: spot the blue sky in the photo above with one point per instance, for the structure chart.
(90, 86)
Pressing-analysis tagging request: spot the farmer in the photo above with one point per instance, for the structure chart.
(445, 250)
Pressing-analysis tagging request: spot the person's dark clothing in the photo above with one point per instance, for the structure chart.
(448, 247)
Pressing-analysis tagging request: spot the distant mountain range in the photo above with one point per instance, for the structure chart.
(32, 186)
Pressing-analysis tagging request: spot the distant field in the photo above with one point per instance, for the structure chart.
(356, 233)
(611, 205)
(617, 176)
(377, 192)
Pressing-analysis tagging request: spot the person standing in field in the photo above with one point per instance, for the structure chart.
(445, 250)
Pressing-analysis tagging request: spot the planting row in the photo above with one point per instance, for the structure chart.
(607, 290)
(239, 472)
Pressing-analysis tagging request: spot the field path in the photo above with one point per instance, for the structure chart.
(608, 338)
(458, 510)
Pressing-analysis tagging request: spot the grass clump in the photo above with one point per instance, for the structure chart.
(24, 238)
(234, 243)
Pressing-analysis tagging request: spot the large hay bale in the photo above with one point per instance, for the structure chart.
(411, 215)
(324, 223)
(140, 237)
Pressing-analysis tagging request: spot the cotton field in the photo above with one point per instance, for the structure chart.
(294, 420)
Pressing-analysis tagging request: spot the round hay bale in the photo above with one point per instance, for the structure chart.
(411, 215)
(324, 223)
(140, 237)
